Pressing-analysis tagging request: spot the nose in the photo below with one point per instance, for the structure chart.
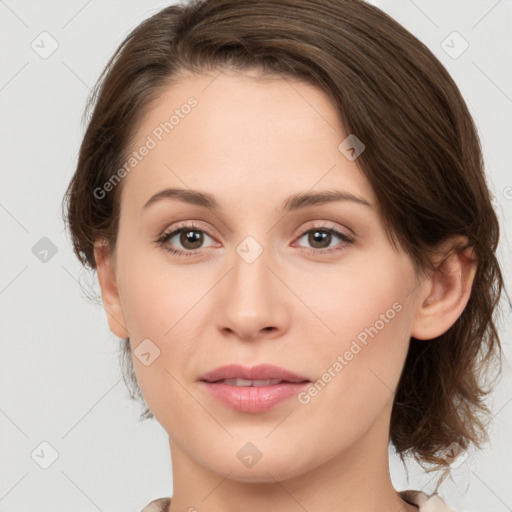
(252, 301)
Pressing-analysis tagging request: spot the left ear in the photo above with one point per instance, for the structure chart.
(446, 291)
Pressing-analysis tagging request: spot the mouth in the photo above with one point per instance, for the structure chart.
(255, 383)
(255, 389)
(259, 374)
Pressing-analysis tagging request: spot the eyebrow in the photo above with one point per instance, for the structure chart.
(294, 202)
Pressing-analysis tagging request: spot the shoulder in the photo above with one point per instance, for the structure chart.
(426, 503)
(158, 505)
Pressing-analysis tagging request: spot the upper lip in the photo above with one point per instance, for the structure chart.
(259, 372)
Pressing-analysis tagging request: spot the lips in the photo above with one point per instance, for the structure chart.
(253, 390)
(248, 382)
(262, 372)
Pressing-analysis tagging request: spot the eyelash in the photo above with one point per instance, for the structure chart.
(162, 241)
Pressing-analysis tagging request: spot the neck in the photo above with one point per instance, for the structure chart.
(355, 480)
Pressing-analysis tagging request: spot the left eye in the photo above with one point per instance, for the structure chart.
(317, 237)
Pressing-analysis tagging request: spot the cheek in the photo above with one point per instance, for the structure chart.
(159, 306)
(357, 300)
(154, 294)
(365, 334)
(161, 303)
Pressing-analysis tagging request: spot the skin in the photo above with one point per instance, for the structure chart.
(252, 142)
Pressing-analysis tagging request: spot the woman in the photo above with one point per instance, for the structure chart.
(287, 212)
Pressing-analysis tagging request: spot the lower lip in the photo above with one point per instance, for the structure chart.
(253, 398)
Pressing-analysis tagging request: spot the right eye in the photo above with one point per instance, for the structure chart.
(187, 235)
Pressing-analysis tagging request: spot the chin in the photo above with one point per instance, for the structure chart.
(269, 471)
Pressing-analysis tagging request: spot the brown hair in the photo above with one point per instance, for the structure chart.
(422, 158)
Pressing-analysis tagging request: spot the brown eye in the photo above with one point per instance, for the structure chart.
(317, 238)
(321, 239)
(192, 237)
(187, 240)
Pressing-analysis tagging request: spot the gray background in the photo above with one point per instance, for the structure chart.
(60, 381)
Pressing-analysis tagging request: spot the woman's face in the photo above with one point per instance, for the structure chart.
(260, 279)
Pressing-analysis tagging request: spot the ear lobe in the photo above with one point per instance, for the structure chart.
(447, 291)
(105, 269)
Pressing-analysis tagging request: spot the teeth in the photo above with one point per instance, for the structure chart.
(245, 382)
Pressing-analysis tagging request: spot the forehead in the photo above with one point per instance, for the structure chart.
(244, 134)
